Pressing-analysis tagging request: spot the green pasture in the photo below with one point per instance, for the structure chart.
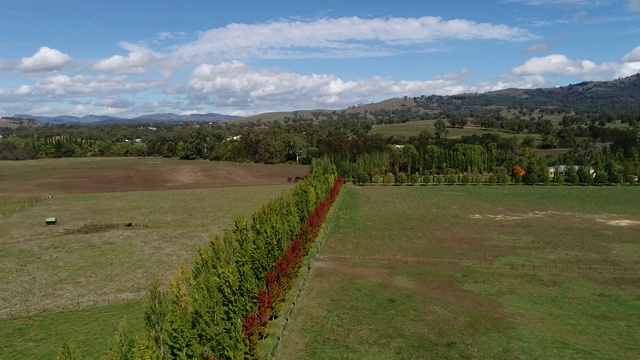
(87, 330)
(366, 308)
(414, 128)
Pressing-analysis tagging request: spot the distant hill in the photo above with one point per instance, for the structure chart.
(16, 123)
(615, 95)
(145, 119)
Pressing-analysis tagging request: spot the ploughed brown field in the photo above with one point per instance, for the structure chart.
(89, 175)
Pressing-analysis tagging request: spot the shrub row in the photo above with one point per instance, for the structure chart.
(221, 305)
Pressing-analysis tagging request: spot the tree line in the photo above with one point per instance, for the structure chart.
(349, 142)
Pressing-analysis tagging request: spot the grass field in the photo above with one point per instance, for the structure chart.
(89, 254)
(398, 309)
(89, 330)
(413, 128)
(89, 257)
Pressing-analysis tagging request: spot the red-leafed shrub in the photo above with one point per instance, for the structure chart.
(280, 278)
(264, 312)
(517, 170)
(251, 334)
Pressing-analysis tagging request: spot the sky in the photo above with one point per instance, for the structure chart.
(127, 58)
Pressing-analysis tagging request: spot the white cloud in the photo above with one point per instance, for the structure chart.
(559, 65)
(24, 90)
(632, 56)
(81, 85)
(138, 61)
(238, 85)
(634, 5)
(348, 37)
(46, 59)
(235, 83)
(191, 112)
(341, 36)
(627, 69)
(520, 82)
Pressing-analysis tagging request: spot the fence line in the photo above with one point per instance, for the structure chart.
(614, 269)
(156, 188)
(302, 283)
(80, 303)
(19, 204)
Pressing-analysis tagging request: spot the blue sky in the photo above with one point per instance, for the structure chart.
(128, 58)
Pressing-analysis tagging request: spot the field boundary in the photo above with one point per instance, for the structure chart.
(301, 284)
(20, 204)
(155, 188)
(507, 265)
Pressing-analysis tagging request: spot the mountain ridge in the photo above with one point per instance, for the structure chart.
(622, 94)
(144, 119)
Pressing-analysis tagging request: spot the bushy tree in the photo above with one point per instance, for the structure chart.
(414, 179)
(491, 179)
(544, 178)
(477, 179)
(517, 178)
(389, 178)
(465, 179)
(531, 177)
(451, 179)
(572, 175)
(600, 178)
(440, 129)
(401, 179)
(584, 175)
(503, 179)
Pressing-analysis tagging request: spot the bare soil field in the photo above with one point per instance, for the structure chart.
(91, 175)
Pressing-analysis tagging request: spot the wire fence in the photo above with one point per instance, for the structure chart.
(12, 206)
(487, 264)
(301, 284)
(126, 189)
(77, 304)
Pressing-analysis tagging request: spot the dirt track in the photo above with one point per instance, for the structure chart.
(87, 175)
